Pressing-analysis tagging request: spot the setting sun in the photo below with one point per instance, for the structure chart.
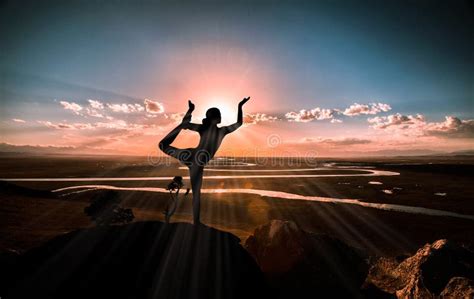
(228, 108)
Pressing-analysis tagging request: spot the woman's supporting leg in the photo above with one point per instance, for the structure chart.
(195, 173)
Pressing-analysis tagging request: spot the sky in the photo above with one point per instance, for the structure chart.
(327, 78)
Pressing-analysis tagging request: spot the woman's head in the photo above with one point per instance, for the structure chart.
(213, 116)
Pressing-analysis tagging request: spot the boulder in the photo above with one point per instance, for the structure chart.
(426, 273)
(415, 288)
(298, 263)
(138, 260)
(278, 246)
(459, 287)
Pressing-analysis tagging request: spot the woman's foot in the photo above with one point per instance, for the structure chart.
(190, 106)
(187, 116)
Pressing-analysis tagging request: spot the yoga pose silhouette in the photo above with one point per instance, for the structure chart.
(197, 158)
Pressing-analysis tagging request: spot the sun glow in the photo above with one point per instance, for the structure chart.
(228, 108)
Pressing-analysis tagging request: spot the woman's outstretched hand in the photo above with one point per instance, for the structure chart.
(245, 100)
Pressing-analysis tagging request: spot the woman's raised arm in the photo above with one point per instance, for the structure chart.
(233, 127)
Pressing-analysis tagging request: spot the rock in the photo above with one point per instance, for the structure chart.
(415, 288)
(138, 260)
(297, 263)
(426, 273)
(370, 291)
(278, 246)
(459, 287)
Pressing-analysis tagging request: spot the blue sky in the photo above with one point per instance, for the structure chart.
(415, 56)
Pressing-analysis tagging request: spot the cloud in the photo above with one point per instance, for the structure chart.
(95, 107)
(73, 126)
(55, 125)
(359, 109)
(451, 127)
(397, 120)
(76, 108)
(322, 113)
(94, 113)
(310, 115)
(96, 104)
(99, 109)
(337, 141)
(153, 107)
(17, 120)
(115, 124)
(126, 108)
(175, 117)
(336, 121)
(258, 117)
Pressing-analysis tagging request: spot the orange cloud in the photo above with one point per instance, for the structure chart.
(126, 108)
(451, 127)
(255, 118)
(310, 115)
(337, 141)
(74, 126)
(153, 106)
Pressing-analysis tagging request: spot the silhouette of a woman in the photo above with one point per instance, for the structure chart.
(197, 158)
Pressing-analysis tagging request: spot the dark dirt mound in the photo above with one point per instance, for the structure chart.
(138, 260)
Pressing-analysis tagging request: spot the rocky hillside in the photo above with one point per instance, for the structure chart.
(179, 260)
(298, 264)
(139, 260)
(438, 269)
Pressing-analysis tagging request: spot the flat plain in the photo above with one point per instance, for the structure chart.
(31, 214)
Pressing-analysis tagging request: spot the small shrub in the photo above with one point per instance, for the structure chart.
(105, 209)
(174, 187)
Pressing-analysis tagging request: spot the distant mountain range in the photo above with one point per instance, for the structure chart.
(7, 148)
(462, 153)
(414, 152)
(419, 152)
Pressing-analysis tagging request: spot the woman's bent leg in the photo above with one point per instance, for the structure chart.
(184, 155)
(195, 173)
(164, 144)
